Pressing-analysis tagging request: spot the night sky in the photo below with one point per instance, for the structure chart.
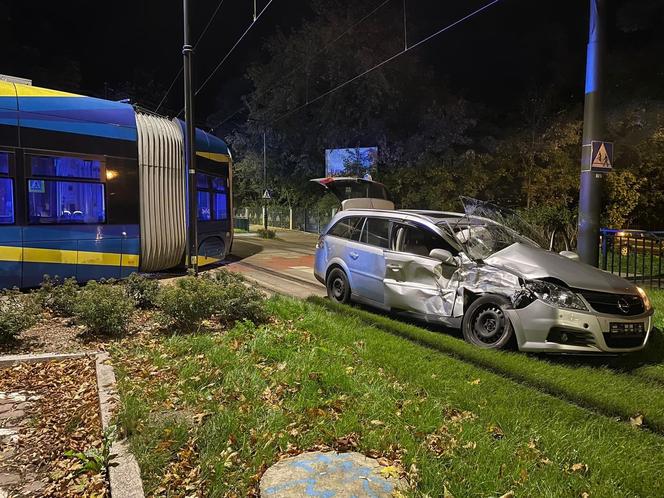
(492, 59)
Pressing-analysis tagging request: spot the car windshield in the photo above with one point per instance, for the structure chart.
(480, 238)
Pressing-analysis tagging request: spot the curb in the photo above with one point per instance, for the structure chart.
(125, 477)
(14, 359)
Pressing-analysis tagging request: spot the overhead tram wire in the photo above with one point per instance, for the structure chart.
(214, 71)
(325, 47)
(389, 59)
(200, 37)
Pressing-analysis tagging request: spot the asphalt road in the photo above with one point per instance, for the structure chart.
(283, 265)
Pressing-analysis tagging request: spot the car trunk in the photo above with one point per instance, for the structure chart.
(357, 192)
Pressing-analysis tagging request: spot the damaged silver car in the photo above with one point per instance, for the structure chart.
(481, 271)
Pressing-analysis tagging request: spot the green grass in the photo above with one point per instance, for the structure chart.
(230, 404)
(611, 392)
(655, 372)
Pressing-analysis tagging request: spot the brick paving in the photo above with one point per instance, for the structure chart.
(16, 411)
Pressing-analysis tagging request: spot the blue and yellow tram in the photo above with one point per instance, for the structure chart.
(94, 189)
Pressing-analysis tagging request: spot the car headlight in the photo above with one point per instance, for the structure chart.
(644, 298)
(555, 295)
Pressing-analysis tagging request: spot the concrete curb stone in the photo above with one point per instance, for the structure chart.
(125, 477)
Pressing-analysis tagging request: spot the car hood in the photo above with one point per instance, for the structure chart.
(533, 262)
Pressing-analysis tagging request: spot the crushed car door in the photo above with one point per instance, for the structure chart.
(414, 282)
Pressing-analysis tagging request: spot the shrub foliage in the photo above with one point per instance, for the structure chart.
(143, 291)
(222, 297)
(18, 312)
(104, 309)
(59, 297)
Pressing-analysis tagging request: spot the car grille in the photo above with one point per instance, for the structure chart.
(614, 304)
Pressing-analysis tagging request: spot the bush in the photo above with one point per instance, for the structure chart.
(143, 291)
(266, 234)
(104, 309)
(18, 312)
(239, 302)
(222, 297)
(188, 301)
(59, 297)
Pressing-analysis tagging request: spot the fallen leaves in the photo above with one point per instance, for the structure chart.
(63, 405)
(496, 432)
(636, 421)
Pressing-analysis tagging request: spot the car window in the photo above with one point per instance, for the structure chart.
(377, 232)
(420, 241)
(348, 228)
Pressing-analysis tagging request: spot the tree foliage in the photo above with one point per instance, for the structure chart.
(433, 143)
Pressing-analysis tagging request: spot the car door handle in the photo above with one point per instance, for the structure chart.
(354, 255)
(393, 267)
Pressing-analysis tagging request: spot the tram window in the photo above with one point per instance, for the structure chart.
(64, 202)
(204, 209)
(4, 163)
(6, 201)
(220, 207)
(70, 167)
(212, 197)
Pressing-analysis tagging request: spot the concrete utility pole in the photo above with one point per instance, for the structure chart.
(590, 195)
(190, 146)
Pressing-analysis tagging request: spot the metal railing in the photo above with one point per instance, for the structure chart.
(305, 219)
(635, 255)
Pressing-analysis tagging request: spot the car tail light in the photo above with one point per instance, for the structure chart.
(320, 242)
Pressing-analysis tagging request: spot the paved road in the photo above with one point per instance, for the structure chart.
(283, 265)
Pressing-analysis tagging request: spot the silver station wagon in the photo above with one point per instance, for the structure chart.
(477, 271)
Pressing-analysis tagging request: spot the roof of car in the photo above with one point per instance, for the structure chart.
(430, 216)
(435, 217)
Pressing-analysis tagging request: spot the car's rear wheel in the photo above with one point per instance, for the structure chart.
(337, 285)
(485, 323)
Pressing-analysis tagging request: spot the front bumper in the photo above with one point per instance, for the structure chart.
(540, 327)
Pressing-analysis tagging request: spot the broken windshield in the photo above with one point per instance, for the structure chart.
(482, 238)
(487, 229)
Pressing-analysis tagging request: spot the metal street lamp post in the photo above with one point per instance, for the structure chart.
(190, 146)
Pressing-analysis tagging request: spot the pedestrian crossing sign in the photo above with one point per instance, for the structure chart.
(601, 156)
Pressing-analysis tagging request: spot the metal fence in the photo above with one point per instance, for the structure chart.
(633, 254)
(305, 219)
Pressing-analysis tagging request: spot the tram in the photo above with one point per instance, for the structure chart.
(91, 188)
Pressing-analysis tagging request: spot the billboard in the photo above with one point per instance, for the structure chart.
(357, 161)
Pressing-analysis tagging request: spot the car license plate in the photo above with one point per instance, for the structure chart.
(626, 328)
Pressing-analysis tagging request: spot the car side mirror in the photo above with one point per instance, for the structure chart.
(443, 255)
(570, 254)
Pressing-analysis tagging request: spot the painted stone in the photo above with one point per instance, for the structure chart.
(327, 475)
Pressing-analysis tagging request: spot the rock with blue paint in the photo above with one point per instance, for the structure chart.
(329, 474)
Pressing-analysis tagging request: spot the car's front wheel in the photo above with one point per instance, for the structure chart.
(485, 323)
(337, 285)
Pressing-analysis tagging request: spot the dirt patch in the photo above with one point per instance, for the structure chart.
(46, 410)
(62, 335)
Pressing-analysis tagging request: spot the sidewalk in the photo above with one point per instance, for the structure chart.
(283, 265)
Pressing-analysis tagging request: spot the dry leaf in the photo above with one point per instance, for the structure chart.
(389, 471)
(636, 421)
(579, 467)
(474, 382)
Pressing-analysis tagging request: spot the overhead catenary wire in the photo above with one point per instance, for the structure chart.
(200, 37)
(318, 52)
(386, 61)
(228, 54)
